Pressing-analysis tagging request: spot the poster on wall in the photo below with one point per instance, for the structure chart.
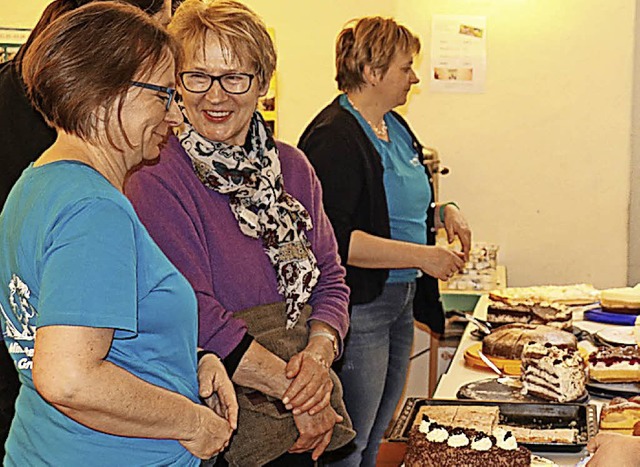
(267, 103)
(10, 41)
(458, 53)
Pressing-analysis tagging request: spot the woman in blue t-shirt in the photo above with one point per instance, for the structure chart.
(379, 198)
(100, 325)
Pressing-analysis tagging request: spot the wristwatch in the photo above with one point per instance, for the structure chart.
(331, 337)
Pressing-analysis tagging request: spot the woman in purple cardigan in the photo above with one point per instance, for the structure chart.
(241, 216)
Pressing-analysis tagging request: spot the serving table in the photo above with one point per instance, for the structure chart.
(459, 374)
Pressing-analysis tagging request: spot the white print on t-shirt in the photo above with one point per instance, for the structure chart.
(18, 326)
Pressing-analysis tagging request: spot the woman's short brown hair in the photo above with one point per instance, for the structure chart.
(372, 41)
(239, 30)
(85, 60)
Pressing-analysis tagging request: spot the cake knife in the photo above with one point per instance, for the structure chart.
(503, 377)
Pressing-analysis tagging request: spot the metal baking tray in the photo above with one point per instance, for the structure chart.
(583, 417)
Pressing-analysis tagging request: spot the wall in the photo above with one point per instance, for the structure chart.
(540, 162)
(633, 276)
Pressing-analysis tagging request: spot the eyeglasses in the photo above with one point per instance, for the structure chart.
(170, 92)
(232, 83)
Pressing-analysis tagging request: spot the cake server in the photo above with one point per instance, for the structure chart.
(503, 377)
(483, 326)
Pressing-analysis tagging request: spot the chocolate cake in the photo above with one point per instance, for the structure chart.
(615, 364)
(436, 445)
(529, 311)
(552, 373)
(509, 340)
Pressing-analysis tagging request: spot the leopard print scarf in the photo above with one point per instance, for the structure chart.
(253, 181)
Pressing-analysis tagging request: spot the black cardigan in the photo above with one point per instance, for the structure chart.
(351, 173)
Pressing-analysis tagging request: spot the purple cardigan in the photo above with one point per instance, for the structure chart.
(195, 228)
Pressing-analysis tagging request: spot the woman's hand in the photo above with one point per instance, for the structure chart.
(211, 434)
(217, 389)
(311, 389)
(315, 431)
(612, 449)
(440, 262)
(456, 225)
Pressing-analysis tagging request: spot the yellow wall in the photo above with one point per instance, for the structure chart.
(539, 162)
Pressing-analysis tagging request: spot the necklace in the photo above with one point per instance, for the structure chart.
(379, 130)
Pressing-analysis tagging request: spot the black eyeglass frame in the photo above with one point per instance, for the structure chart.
(171, 92)
(218, 78)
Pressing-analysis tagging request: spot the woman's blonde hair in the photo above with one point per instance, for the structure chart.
(239, 30)
(372, 41)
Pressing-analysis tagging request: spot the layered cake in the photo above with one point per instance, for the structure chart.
(615, 364)
(552, 373)
(509, 340)
(621, 300)
(432, 444)
(578, 294)
(620, 414)
(529, 311)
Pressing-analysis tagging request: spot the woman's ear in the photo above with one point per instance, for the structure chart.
(371, 75)
(264, 90)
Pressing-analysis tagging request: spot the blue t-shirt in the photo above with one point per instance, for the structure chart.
(73, 252)
(406, 185)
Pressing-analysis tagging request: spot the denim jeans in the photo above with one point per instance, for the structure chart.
(373, 370)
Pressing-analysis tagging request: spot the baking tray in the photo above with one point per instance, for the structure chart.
(531, 415)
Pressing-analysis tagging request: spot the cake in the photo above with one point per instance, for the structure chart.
(542, 435)
(615, 364)
(432, 444)
(620, 414)
(552, 373)
(477, 417)
(529, 311)
(621, 300)
(509, 340)
(577, 294)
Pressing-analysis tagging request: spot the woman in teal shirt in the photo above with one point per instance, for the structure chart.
(101, 326)
(378, 196)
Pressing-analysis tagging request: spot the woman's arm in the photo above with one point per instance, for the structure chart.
(370, 251)
(455, 225)
(71, 372)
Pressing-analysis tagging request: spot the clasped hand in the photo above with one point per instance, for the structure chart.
(309, 396)
(218, 420)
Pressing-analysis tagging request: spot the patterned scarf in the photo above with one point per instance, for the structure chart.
(253, 181)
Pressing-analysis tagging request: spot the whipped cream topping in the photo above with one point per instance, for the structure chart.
(425, 425)
(438, 435)
(505, 439)
(481, 444)
(458, 440)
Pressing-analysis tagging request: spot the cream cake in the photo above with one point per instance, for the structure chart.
(434, 445)
(552, 373)
(615, 364)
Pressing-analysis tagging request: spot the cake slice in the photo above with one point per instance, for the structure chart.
(620, 414)
(552, 373)
(615, 364)
(542, 435)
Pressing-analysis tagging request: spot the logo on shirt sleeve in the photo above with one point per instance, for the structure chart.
(19, 325)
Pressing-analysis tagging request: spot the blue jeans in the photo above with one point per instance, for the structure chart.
(374, 369)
